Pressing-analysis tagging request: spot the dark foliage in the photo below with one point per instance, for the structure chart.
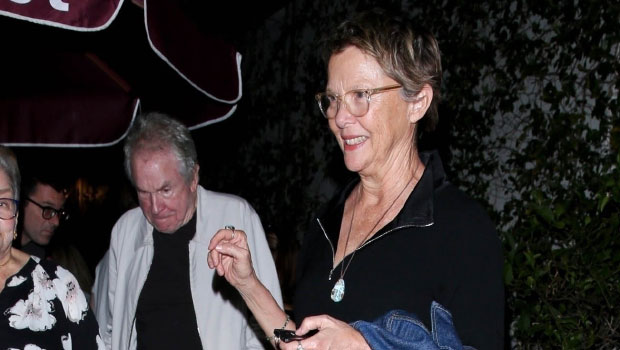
(528, 125)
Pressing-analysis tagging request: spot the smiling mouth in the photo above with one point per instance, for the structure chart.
(355, 141)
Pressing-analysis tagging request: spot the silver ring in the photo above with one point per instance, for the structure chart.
(299, 347)
(232, 228)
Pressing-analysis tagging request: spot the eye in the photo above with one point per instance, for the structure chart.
(166, 191)
(359, 95)
(49, 212)
(331, 98)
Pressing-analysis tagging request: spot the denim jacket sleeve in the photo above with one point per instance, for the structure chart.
(401, 330)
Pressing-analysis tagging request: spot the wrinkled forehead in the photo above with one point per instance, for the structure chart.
(351, 68)
(155, 168)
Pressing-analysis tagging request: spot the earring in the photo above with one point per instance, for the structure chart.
(14, 234)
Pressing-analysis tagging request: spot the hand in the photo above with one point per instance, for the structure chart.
(333, 335)
(230, 255)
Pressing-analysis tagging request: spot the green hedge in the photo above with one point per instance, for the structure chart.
(536, 117)
(529, 126)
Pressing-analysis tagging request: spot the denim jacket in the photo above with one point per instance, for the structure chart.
(401, 330)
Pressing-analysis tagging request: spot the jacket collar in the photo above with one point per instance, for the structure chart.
(417, 211)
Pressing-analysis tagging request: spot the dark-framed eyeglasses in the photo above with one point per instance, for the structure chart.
(356, 101)
(8, 208)
(48, 212)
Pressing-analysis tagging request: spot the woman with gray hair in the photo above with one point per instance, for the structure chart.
(41, 303)
(399, 236)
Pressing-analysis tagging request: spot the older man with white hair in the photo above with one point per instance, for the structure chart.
(162, 294)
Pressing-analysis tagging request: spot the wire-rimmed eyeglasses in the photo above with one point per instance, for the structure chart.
(356, 101)
(8, 208)
(48, 212)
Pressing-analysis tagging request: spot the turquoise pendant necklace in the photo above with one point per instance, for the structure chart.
(337, 293)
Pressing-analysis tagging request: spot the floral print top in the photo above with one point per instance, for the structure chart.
(43, 307)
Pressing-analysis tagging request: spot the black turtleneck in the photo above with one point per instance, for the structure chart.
(165, 316)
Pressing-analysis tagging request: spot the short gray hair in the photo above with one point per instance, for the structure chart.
(158, 131)
(8, 164)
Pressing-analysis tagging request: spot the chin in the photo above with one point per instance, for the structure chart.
(166, 228)
(163, 229)
(42, 242)
(353, 165)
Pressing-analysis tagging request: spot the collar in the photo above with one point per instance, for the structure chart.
(417, 211)
(183, 233)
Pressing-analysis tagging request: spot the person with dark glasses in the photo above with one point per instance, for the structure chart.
(43, 211)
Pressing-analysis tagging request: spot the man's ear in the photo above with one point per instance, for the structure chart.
(195, 178)
(420, 104)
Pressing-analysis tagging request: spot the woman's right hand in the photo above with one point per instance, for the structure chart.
(230, 255)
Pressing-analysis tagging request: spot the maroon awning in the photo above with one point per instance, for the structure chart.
(82, 15)
(208, 64)
(86, 95)
(68, 99)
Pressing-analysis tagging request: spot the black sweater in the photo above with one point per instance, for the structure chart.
(165, 316)
(442, 246)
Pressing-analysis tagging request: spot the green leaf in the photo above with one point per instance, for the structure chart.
(544, 212)
(531, 282)
(602, 202)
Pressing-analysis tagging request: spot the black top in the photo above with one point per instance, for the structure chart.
(43, 305)
(165, 317)
(441, 246)
(34, 249)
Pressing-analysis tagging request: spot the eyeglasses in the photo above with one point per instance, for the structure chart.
(48, 212)
(8, 208)
(356, 101)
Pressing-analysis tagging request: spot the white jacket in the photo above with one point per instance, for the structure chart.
(221, 314)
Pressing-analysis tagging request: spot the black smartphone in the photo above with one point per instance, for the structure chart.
(286, 335)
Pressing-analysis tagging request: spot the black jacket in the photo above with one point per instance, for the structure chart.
(442, 246)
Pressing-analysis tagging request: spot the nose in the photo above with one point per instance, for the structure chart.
(156, 204)
(343, 117)
(55, 220)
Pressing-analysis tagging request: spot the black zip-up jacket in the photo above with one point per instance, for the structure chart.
(442, 246)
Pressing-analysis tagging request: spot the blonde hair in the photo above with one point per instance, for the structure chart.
(409, 56)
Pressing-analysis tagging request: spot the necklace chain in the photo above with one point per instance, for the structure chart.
(343, 268)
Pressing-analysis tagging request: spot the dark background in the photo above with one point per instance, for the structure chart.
(528, 126)
(101, 192)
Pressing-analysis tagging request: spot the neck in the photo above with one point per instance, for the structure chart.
(193, 211)
(382, 186)
(190, 213)
(5, 260)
